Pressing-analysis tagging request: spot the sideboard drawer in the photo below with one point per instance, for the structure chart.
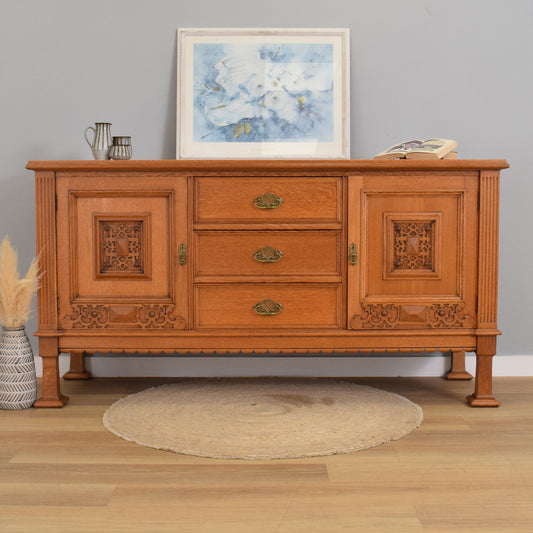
(257, 305)
(267, 200)
(267, 253)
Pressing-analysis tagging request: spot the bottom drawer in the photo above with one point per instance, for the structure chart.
(263, 305)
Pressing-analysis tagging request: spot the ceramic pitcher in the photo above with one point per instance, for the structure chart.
(101, 140)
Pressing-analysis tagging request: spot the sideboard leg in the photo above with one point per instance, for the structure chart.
(51, 392)
(482, 396)
(77, 366)
(458, 370)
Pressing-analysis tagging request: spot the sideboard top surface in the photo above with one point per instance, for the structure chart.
(345, 166)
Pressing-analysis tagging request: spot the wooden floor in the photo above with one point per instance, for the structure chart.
(464, 470)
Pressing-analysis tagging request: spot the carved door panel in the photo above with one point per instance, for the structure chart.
(121, 244)
(417, 252)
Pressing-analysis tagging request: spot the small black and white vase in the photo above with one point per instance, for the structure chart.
(18, 383)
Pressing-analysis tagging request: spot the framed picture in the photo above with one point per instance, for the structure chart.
(263, 93)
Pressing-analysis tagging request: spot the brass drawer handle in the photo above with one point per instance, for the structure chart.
(268, 307)
(268, 255)
(268, 201)
(352, 254)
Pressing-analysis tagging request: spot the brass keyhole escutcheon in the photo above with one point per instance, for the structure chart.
(182, 254)
(352, 254)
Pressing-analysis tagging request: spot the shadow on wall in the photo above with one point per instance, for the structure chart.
(169, 141)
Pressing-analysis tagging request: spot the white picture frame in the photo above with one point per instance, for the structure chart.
(255, 93)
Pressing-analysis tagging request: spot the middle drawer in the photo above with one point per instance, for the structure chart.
(246, 254)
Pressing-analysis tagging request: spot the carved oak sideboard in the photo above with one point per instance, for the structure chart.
(267, 257)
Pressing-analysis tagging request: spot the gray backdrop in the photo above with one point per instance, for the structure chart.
(456, 68)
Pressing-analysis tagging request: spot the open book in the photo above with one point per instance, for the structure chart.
(419, 149)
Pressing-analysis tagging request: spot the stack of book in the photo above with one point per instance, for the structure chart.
(419, 149)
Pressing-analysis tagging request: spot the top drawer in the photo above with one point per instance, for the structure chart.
(268, 200)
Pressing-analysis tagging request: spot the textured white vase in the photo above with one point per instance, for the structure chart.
(18, 384)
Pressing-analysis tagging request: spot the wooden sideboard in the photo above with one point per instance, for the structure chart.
(267, 257)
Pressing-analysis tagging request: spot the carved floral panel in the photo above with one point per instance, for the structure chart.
(121, 246)
(392, 315)
(413, 245)
(145, 316)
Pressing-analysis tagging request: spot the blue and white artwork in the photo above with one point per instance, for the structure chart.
(253, 92)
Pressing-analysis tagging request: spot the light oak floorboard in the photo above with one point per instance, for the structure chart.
(464, 470)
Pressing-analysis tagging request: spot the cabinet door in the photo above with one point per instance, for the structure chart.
(121, 243)
(417, 245)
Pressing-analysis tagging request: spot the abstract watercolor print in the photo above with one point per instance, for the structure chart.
(251, 92)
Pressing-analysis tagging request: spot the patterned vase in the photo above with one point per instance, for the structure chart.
(18, 384)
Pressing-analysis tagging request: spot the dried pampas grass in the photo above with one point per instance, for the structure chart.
(16, 294)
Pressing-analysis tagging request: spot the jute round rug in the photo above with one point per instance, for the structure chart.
(262, 418)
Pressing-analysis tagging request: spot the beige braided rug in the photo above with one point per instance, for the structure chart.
(262, 418)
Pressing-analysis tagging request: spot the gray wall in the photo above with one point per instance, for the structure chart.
(454, 68)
